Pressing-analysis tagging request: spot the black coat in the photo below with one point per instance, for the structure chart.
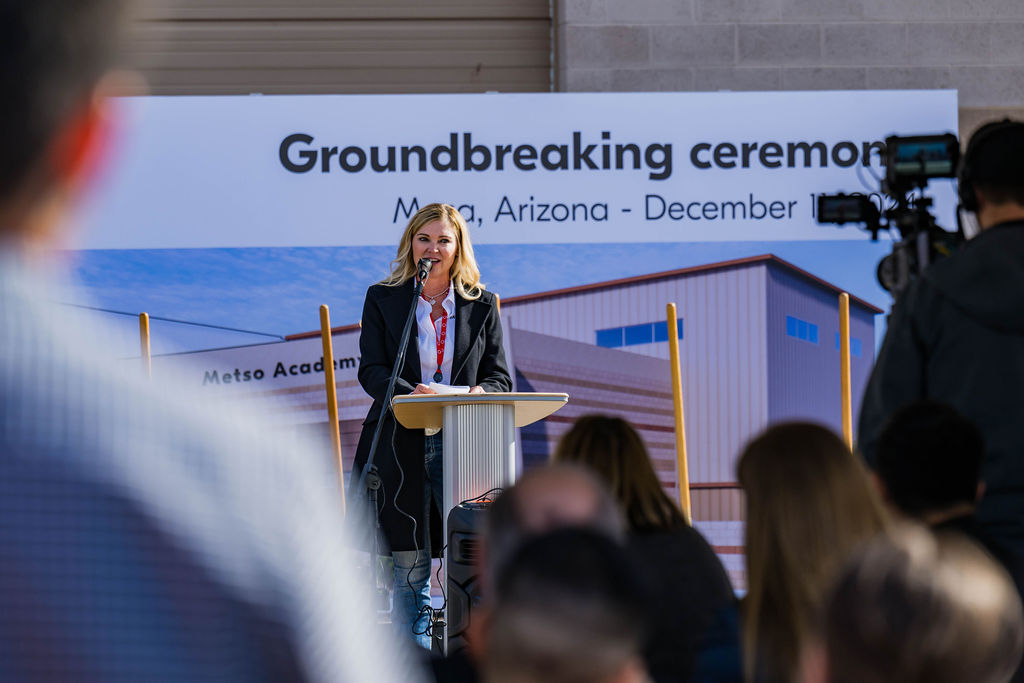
(478, 359)
(691, 592)
(957, 336)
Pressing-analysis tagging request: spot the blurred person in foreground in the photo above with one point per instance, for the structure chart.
(911, 607)
(809, 503)
(690, 587)
(569, 607)
(929, 470)
(929, 465)
(145, 534)
(956, 334)
(543, 500)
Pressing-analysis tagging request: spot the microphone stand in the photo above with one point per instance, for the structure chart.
(370, 476)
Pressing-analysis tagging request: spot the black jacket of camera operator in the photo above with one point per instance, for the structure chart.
(957, 336)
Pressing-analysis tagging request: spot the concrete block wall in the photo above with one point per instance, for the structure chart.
(974, 46)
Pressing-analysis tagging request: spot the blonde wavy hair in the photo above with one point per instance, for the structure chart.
(464, 274)
(809, 502)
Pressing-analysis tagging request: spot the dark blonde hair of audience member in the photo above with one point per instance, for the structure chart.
(809, 503)
(569, 608)
(465, 274)
(543, 499)
(611, 448)
(915, 608)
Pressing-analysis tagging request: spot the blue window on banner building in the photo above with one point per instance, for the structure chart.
(632, 335)
(856, 348)
(610, 338)
(801, 329)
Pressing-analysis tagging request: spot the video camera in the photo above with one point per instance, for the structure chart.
(910, 162)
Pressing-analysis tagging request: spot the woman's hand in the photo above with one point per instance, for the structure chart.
(423, 389)
(476, 390)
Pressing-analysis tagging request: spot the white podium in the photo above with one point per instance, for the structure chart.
(479, 437)
(479, 433)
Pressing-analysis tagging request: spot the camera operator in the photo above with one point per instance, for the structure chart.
(956, 334)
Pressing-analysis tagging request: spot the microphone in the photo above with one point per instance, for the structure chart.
(423, 268)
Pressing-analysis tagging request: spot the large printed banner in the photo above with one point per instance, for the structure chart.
(310, 171)
(232, 219)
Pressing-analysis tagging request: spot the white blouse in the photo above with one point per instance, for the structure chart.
(427, 337)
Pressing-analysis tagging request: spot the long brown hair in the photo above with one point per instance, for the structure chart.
(809, 503)
(465, 274)
(611, 448)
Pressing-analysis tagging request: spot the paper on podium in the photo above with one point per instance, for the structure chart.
(448, 389)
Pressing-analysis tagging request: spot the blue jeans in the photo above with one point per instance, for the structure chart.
(412, 567)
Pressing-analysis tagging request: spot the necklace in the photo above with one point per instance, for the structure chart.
(433, 299)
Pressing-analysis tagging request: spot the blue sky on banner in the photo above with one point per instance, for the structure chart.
(279, 290)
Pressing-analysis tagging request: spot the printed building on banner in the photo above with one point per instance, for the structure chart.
(758, 339)
(759, 344)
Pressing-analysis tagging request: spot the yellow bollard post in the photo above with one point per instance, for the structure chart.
(147, 360)
(844, 368)
(332, 396)
(682, 470)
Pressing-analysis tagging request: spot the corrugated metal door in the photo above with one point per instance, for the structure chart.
(206, 47)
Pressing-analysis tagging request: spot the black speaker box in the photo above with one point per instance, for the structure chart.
(465, 524)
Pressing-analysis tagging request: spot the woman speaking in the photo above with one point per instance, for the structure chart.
(457, 342)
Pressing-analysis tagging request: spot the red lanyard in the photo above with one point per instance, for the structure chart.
(440, 342)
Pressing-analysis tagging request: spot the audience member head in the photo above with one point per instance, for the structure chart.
(612, 449)
(55, 54)
(809, 502)
(992, 173)
(569, 609)
(929, 461)
(544, 499)
(911, 607)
